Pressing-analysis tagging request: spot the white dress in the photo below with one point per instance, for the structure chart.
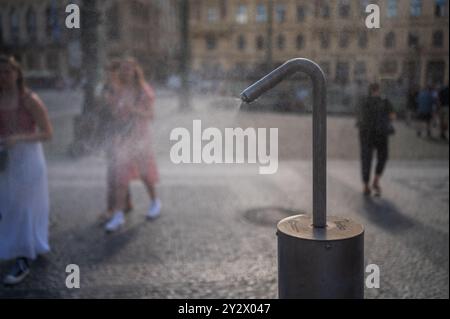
(24, 203)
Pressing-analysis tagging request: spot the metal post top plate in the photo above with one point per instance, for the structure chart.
(338, 228)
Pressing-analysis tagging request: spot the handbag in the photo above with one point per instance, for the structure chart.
(391, 129)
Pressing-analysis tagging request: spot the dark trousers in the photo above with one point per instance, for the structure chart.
(371, 142)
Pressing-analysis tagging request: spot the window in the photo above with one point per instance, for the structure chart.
(301, 13)
(360, 71)
(363, 40)
(241, 43)
(261, 13)
(211, 42)
(139, 10)
(323, 9)
(14, 26)
(416, 8)
(438, 39)
(326, 11)
(32, 61)
(344, 39)
(31, 23)
(196, 11)
(390, 40)
(241, 14)
(392, 8)
(280, 13)
(113, 22)
(223, 9)
(440, 8)
(52, 23)
(363, 5)
(240, 69)
(53, 61)
(281, 42)
(435, 71)
(326, 67)
(344, 8)
(389, 67)
(260, 42)
(212, 14)
(342, 72)
(324, 40)
(413, 41)
(300, 42)
(411, 71)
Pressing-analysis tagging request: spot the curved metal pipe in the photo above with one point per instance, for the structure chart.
(319, 124)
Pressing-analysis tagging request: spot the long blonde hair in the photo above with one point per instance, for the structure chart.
(139, 82)
(12, 62)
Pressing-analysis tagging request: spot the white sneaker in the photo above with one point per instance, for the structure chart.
(20, 270)
(117, 221)
(155, 209)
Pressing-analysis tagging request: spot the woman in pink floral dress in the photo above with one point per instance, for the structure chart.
(132, 109)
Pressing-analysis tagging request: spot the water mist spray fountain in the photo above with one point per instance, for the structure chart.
(317, 257)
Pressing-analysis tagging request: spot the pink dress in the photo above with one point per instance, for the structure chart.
(132, 148)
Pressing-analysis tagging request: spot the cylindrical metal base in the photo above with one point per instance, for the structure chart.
(320, 262)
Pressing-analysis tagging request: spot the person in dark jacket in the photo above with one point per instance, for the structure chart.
(443, 111)
(375, 118)
(411, 104)
(425, 109)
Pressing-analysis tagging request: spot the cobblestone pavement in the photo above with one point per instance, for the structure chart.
(216, 236)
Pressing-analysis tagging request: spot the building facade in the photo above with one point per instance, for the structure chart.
(34, 31)
(144, 29)
(233, 37)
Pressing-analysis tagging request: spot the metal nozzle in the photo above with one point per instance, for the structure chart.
(319, 124)
(276, 76)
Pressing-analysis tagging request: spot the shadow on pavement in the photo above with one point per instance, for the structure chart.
(269, 216)
(437, 141)
(386, 214)
(97, 247)
(431, 242)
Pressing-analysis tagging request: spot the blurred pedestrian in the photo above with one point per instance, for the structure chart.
(132, 108)
(375, 116)
(108, 131)
(301, 97)
(24, 203)
(425, 105)
(411, 104)
(174, 82)
(443, 111)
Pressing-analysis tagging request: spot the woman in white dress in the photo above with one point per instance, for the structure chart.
(24, 203)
